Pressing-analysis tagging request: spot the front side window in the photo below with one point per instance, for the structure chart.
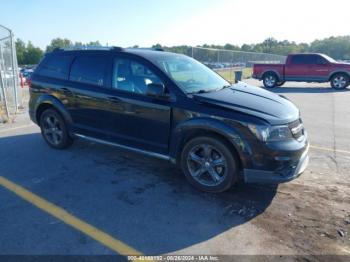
(56, 66)
(190, 75)
(132, 76)
(320, 60)
(89, 70)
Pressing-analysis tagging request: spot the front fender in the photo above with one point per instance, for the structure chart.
(338, 71)
(230, 133)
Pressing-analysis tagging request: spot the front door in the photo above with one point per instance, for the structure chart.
(138, 120)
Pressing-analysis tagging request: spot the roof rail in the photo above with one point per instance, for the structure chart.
(117, 48)
(112, 48)
(148, 48)
(88, 47)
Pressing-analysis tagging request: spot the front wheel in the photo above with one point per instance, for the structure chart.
(209, 165)
(340, 81)
(54, 129)
(270, 80)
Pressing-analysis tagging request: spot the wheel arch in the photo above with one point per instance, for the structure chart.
(190, 129)
(338, 72)
(272, 72)
(48, 101)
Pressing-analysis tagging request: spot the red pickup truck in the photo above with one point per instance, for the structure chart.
(304, 68)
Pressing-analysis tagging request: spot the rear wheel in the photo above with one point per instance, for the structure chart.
(209, 165)
(270, 80)
(54, 129)
(340, 81)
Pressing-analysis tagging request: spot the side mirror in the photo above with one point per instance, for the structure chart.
(156, 90)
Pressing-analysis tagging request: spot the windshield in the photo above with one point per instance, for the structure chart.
(190, 75)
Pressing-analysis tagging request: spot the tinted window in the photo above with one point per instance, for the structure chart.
(56, 66)
(307, 60)
(89, 70)
(132, 76)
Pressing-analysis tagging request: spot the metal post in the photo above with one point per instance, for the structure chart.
(2, 86)
(14, 73)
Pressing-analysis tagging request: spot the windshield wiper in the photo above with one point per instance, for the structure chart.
(200, 91)
(225, 86)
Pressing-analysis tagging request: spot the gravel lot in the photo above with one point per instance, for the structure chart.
(147, 204)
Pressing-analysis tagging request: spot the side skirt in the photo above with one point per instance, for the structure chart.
(144, 152)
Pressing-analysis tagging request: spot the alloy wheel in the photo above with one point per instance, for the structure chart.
(339, 82)
(207, 165)
(52, 129)
(270, 81)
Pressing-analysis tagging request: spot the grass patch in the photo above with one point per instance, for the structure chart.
(229, 74)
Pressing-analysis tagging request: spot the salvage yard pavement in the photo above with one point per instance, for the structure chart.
(145, 204)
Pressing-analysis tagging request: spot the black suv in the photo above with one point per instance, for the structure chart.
(172, 107)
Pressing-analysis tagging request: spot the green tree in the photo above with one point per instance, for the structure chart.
(58, 43)
(20, 51)
(32, 55)
(336, 47)
(94, 43)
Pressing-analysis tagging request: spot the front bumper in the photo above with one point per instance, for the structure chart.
(271, 177)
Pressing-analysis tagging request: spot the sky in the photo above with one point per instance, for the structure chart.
(192, 22)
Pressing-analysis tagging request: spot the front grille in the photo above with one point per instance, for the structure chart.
(297, 128)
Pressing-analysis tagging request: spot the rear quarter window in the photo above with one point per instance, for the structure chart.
(55, 66)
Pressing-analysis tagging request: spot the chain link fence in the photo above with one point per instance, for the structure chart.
(227, 62)
(10, 92)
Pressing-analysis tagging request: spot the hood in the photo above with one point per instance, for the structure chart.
(254, 101)
(343, 64)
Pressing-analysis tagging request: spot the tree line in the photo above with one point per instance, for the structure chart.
(336, 47)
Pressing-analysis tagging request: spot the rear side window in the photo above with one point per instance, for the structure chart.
(89, 70)
(307, 60)
(298, 60)
(56, 66)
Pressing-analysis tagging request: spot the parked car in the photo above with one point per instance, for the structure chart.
(27, 73)
(304, 68)
(172, 107)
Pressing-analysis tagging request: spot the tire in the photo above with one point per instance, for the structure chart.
(340, 81)
(280, 83)
(209, 165)
(54, 129)
(270, 80)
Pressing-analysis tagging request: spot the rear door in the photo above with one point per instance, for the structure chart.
(88, 83)
(297, 69)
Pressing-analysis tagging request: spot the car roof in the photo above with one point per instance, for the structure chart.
(147, 53)
(306, 54)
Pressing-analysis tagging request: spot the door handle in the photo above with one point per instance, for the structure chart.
(114, 99)
(66, 91)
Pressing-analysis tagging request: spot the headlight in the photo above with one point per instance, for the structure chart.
(270, 133)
